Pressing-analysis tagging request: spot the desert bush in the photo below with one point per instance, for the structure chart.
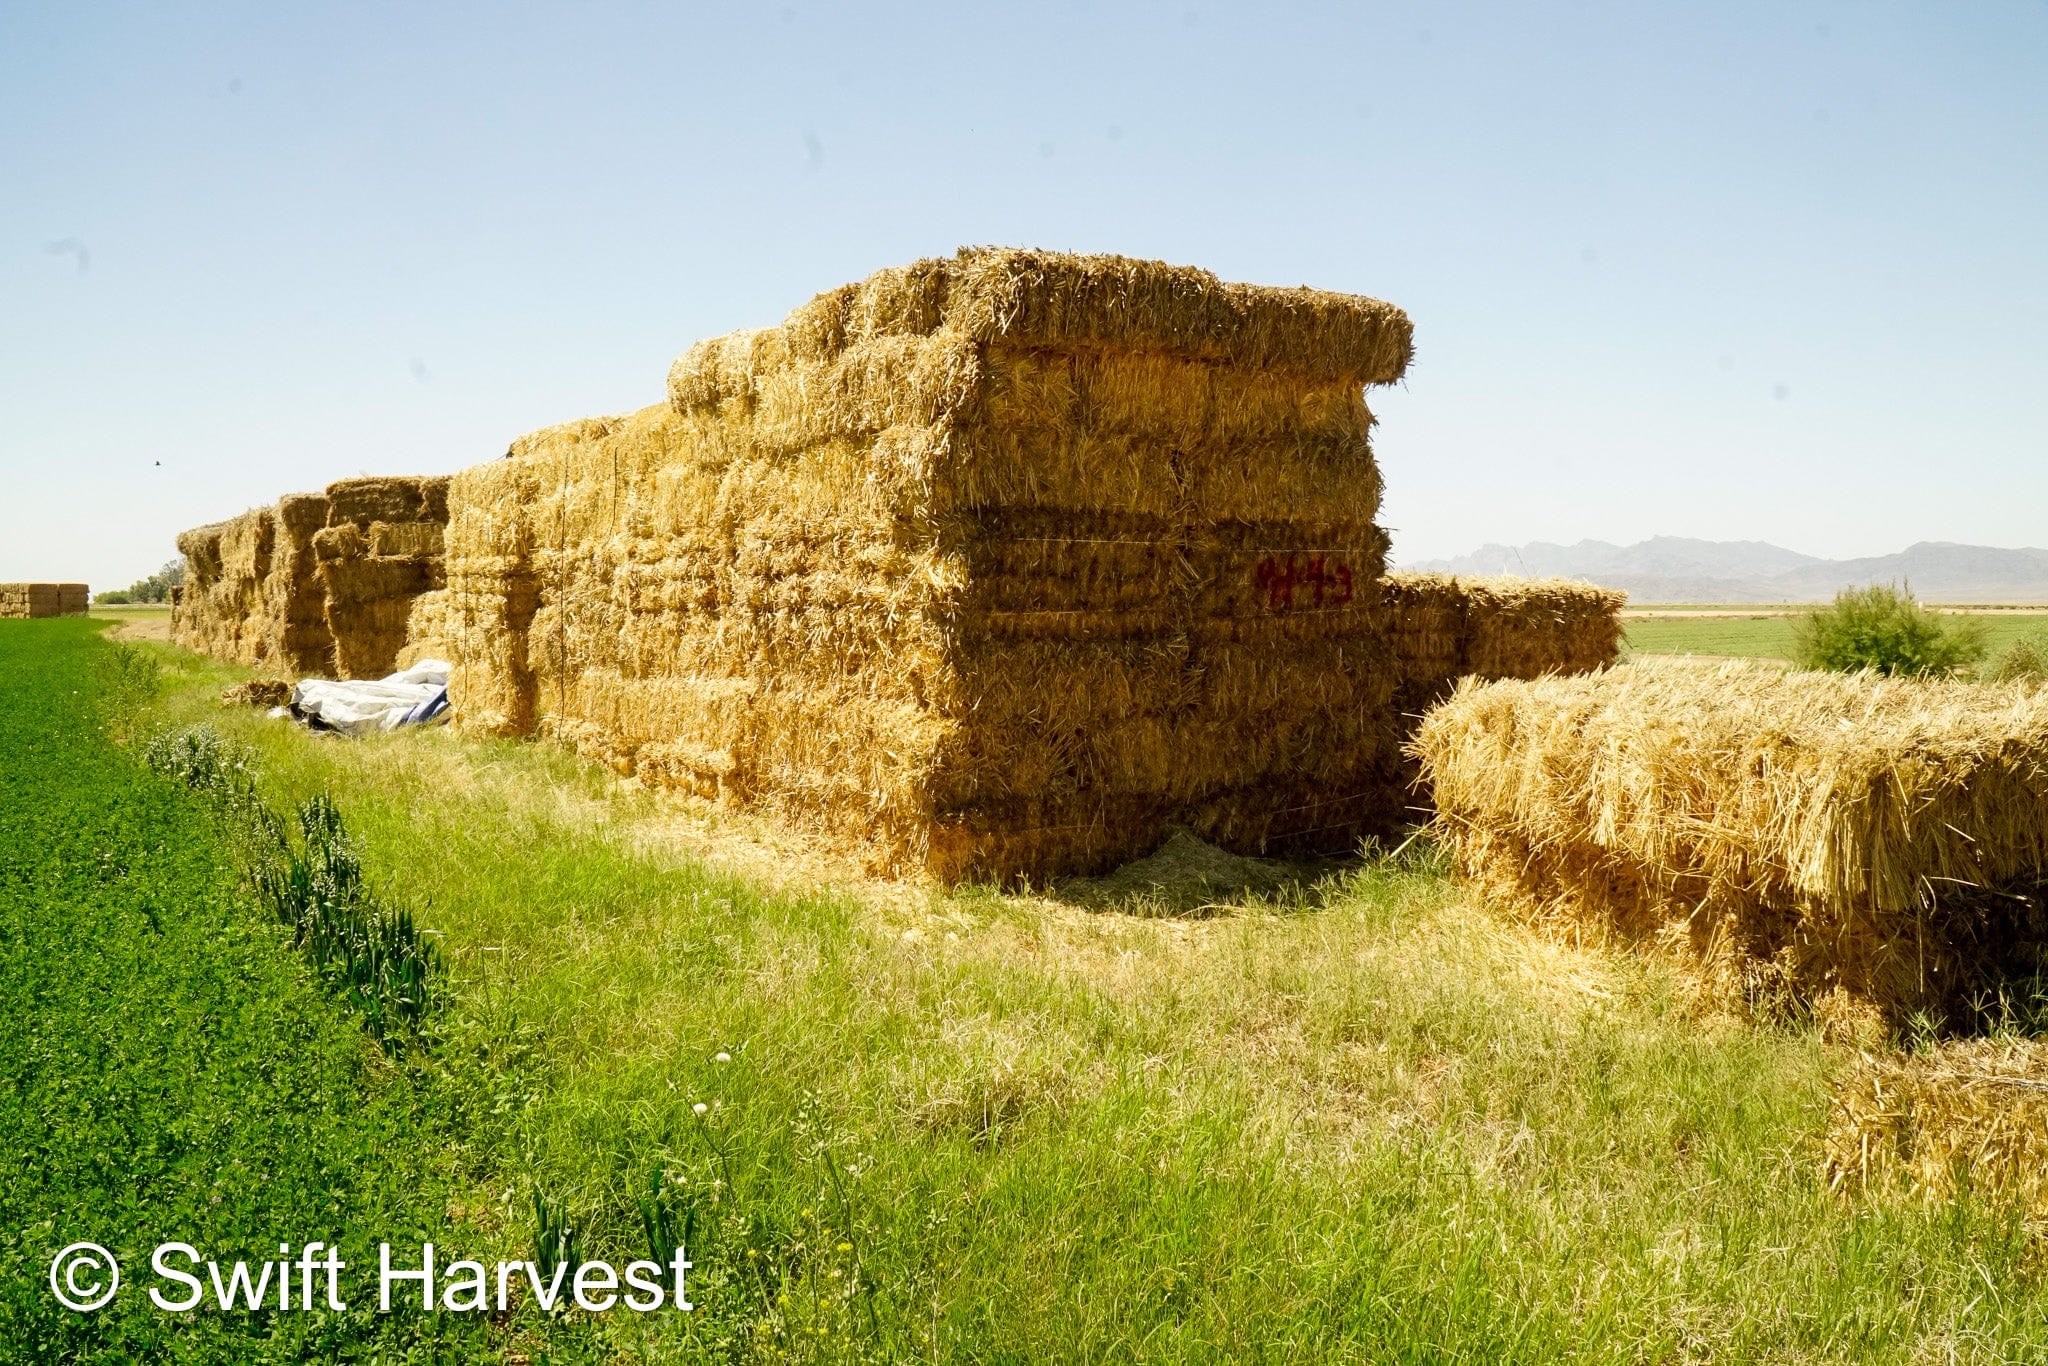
(2023, 661)
(1884, 629)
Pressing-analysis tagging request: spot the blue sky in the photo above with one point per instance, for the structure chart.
(1767, 271)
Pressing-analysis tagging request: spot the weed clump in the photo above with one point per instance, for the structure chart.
(307, 874)
(1885, 630)
(2023, 661)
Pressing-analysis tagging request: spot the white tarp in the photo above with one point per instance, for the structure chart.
(359, 706)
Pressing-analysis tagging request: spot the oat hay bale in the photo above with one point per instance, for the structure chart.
(1445, 627)
(253, 594)
(1797, 834)
(44, 599)
(379, 551)
(997, 565)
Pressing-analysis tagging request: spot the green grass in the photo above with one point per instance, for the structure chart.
(1771, 637)
(1368, 1122)
(168, 1069)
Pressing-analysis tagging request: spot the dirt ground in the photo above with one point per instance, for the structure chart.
(136, 623)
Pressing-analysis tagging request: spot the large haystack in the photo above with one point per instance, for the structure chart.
(998, 564)
(379, 551)
(322, 584)
(1804, 834)
(44, 599)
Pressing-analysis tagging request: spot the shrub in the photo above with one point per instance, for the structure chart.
(118, 597)
(1884, 629)
(2023, 661)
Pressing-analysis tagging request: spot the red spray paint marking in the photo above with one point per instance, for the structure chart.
(1320, 582)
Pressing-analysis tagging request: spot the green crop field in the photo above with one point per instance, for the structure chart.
(1770, 636)
(170, 1071)
(1361, 1119)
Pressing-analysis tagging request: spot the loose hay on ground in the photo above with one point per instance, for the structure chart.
(1801, 836)
(1971, 1116)
(257, 692)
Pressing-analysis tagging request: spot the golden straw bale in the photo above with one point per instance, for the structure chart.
(491, 596)
(1969, 1115)
(252, 593)
(320, 583)
(44, 599)
(1798, 834)
(1445, 627)
(380, 550)
(426, 629)
(999, 566)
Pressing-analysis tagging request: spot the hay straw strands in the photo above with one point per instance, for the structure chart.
(1798, 833)
(43, 599)
(1968, 1115)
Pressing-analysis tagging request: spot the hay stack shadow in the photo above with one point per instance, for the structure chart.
(1189, 878)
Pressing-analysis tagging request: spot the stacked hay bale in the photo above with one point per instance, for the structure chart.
(44, 599)
(378, 552)
(252, 589)
(322, 584)
(1854, 842)
(999, 565)
(297, 638)
(204, 604)
(1443, 628)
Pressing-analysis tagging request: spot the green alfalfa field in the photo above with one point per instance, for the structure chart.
(1772, 632)
(1353, 1117)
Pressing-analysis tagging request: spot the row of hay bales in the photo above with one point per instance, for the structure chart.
(992, 566)
(43, 599)
(320, 583)
(995, 566)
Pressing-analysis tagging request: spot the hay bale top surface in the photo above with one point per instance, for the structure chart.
(1838, 787)
(203, 542)
(1054, 300)
(302, 511)
(1507, 589)
(388, 498)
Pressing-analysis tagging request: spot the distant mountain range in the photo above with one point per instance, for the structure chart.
(1679, 569)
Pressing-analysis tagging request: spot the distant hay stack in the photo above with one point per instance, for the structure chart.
(1445, 627)
(999, 565)
(44, 599)
(378, 553)
(1803, 836)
